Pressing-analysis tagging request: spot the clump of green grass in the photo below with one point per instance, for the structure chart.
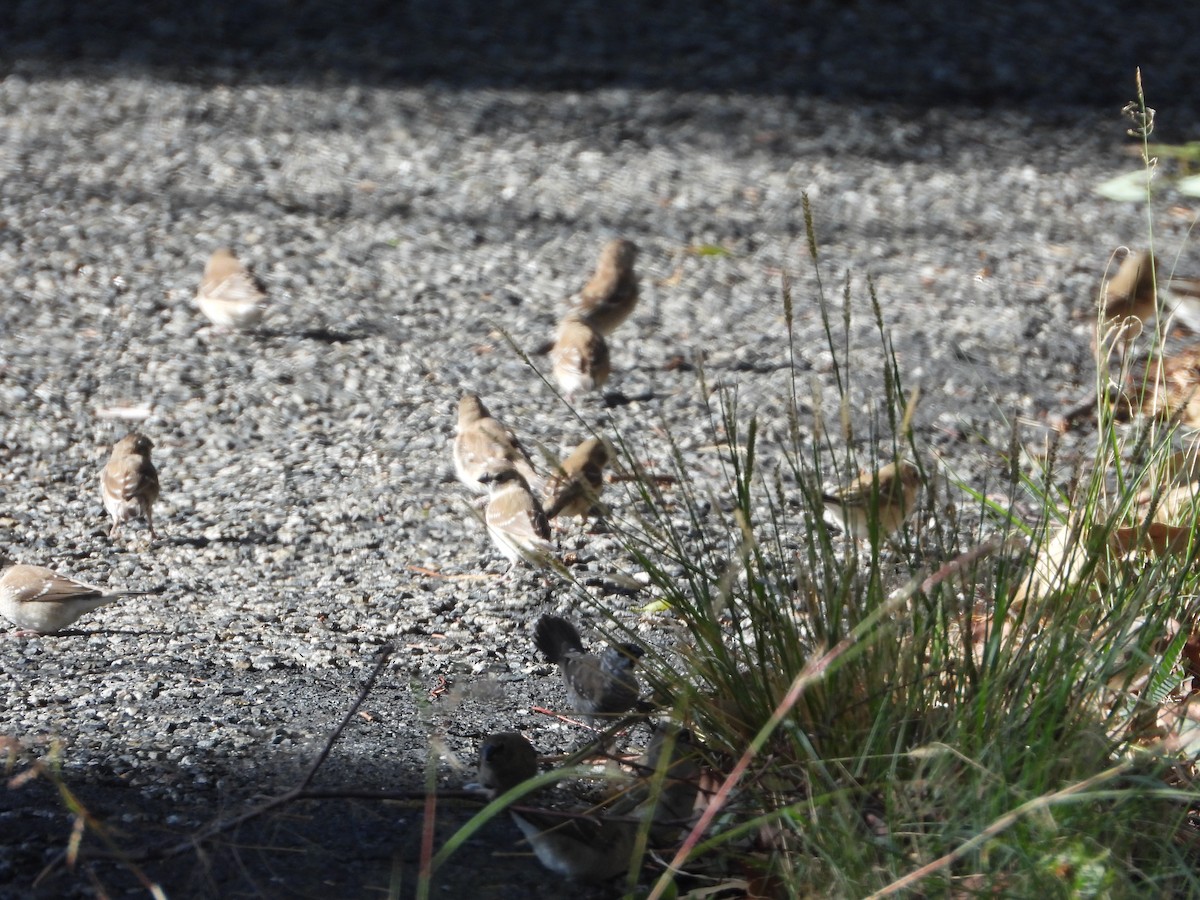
(982, 706)
(917, 715)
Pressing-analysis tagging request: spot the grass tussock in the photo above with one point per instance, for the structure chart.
(982, 705)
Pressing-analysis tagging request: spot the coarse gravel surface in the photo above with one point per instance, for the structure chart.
(407, 212)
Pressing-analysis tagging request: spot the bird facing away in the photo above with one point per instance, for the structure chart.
(579, 357)
(481, 442)
(514, 518)
(611, 293)
(129, 482)
(41, 601)
(598, 685)
(229, 295)
(574, 490)
(1131, 292)
(887, 496)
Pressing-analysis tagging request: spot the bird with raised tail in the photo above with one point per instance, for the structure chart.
(574, 490)
(129, 482)
(41, 601)
(885, 497)
(611, 293)
(599, 686)
(482, 443)
(229, 295)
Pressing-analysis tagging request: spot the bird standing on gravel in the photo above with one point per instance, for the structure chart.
(611, 293)
(41, 601)
(229, 295)
(514, 518)
(579, 357)
(887, 497)
(481, 442)
(575, 488)
(598, 685)
(129, 483)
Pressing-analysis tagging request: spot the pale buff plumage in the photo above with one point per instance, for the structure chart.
(129, 482)
(580, 357)
(888, 496)
(1130, 293)
(611, 293)
(515, 520)
(229, 295)
(482, 443)
(41, 601)
(575, 488)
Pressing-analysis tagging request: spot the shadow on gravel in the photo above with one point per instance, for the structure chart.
(1051, 53)
(343, 847)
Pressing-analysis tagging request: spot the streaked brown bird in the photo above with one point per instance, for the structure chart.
(611, 293)
(41, 601)
(129, 482)
(599, 686)
(515, 520)
(481, 442)
(574, 490)
(886, 497)
(229, 295)
(579, 357)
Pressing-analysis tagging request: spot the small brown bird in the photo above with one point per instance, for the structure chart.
(572, 844)
(598, 685)
(481, 442)
(887, 497)
(595, 843)
(1131, 292)
(579, 357)
(611, 293)
(574, 489)
(514, 518)
(129, 483)
(41, 601)
(229, 295)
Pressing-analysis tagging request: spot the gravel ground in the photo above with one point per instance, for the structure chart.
(405, 210)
